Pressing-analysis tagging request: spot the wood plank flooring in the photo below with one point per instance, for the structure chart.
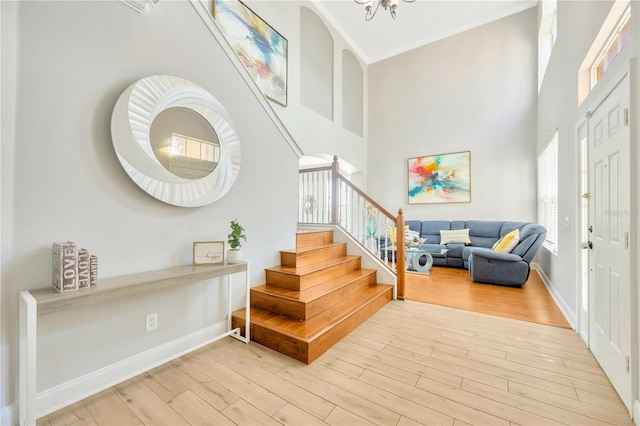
(410, 363)
(452, 287)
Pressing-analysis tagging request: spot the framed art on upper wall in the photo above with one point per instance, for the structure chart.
(442, 178)
(262, 50)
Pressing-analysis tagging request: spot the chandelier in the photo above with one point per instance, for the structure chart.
(370, 11)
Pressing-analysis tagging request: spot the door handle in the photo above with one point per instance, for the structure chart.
(587, 245)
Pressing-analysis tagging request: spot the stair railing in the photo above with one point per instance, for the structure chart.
(327, 197)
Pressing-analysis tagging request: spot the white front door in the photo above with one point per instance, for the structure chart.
(609, 234)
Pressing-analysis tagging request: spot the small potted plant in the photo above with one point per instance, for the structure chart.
(234, 255)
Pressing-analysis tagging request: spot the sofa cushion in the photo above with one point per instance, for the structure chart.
(532, 236)
(458, 224)
(466, 251)
(454, 236)
(510, 226)
(414, 225)
(485, 228)
(524, 245)
(455, 249)
(531, 229)
(484, 233)
(430, 229)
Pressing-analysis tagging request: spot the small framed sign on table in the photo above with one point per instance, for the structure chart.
(208, 252)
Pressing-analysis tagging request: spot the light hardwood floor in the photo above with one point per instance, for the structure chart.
(411, 363)
(453, 287)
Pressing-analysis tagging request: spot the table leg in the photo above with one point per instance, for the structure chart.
(426, 268)
(411, 258)
(28, 329)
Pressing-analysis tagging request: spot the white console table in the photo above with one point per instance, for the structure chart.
(43, 301)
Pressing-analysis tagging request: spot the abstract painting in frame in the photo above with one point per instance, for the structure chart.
(262, 50)
(442, 178)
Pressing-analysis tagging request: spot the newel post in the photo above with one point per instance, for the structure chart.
(335, 169)
(400, 253)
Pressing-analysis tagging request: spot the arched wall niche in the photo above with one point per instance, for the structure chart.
(316, 64)
(352, 93)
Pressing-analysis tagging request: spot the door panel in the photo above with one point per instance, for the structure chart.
(598, 175)
(614, 308)
(610, 261)
(598, 295)
(614, 201)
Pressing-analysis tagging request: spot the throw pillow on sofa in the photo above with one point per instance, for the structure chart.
(412, 238)
(455, 236)
(393, 236)
(508, 242)
(411, 235)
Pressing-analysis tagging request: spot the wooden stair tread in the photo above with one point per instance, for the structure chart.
(316, 291)
(312, 328)
(313, 267)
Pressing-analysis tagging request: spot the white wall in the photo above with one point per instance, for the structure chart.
(558, 109)
(314, 133)
(64, 66)
(476, 92)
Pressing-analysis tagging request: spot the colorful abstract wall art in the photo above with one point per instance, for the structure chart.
(443, 178)
(262, 50)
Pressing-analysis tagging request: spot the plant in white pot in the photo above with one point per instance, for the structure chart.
(234, 255)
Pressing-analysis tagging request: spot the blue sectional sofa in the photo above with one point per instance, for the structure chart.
(484, 264)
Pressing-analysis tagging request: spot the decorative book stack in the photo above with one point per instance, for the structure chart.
(73, 268)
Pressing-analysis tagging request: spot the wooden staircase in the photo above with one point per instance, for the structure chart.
(317, 296)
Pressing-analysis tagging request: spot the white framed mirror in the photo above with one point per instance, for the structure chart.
(175, 141)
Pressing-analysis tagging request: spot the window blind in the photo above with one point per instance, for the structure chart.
(548, 192)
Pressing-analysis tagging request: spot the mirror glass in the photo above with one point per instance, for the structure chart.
(175, 141)
(185, 143)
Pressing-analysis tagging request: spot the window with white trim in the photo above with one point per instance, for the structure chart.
(608, 44)
(548, 192)
(619, 37)
(547, 34)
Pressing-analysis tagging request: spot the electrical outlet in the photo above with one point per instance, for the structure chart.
(151, 321)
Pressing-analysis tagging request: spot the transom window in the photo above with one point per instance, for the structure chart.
(619, 37)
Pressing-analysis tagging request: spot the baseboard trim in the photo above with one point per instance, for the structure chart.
(562, 305)
(74, 390)
(9, 414)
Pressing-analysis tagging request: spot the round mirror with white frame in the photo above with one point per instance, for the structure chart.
(175, 141)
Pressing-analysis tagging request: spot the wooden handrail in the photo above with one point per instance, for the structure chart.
(315, 169)
(399, 221)
(336, 179)
(367, 198)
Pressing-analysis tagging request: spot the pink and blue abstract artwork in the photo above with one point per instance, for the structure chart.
(262, 50)
(443, 178)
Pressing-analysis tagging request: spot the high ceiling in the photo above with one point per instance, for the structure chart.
(416, 24)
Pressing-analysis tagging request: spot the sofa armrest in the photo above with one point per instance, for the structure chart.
(488, 266)
(495, 255)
